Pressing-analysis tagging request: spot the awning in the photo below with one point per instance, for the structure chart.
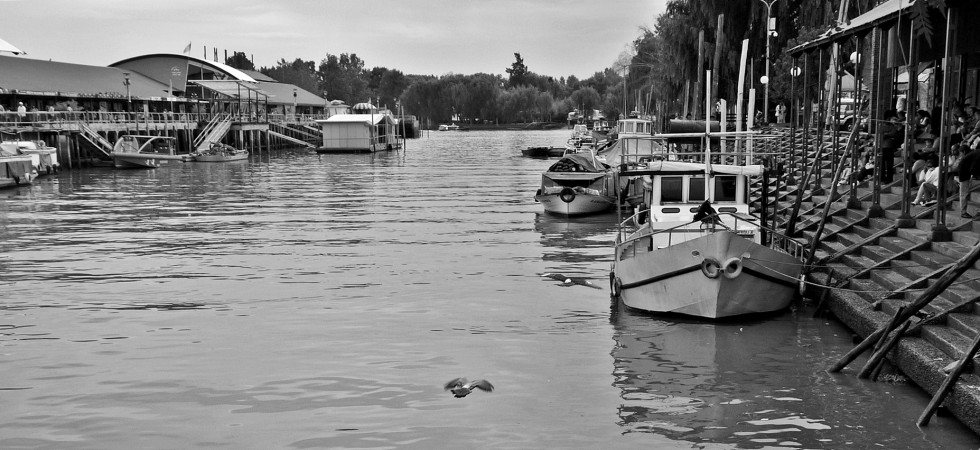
(879, 14)
(924, 74)
(230, 88)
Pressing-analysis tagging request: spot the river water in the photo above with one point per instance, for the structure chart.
(300, 301)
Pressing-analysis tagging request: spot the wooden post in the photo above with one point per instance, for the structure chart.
(829, 202)
(878, 352)
(887, 348)
(700, 82)
(948, 383)
(740, 101)
(930, 293)
(716, 66)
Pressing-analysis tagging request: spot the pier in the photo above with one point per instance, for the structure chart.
(86, 138)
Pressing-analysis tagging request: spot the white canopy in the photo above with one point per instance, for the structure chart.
(8, 47)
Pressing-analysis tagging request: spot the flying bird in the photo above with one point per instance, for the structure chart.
(569, 281)
(461, 388)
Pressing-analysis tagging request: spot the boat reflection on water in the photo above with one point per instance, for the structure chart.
(576, 240)
(758, 384)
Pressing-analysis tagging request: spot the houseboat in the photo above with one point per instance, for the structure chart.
(358, 133)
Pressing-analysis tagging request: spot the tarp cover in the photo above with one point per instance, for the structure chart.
(585, 162)
(15, 167)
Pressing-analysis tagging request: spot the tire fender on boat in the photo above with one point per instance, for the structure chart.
(732, 268)
(567, 195)
(710, 267)
(615, 285)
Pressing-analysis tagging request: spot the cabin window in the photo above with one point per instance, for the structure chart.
(696, 190)
(672, 189)
(728, 209)
(725, 188)
(670, 210)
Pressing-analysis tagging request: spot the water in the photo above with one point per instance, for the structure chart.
(297, 301)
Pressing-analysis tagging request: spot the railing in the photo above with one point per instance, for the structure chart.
(64, 119)
(778, 241)
(725, 148)
(95, 138)
(212, 125)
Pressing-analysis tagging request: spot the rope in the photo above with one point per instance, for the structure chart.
(857, 291)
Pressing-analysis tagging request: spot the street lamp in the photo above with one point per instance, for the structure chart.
(294, 103)
(129, 100)
(770, 31)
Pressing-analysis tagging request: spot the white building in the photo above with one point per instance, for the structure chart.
(347, 133)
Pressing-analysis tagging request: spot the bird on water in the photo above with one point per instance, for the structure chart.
(460, 387)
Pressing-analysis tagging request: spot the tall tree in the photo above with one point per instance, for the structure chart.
(343, 77)
(518, 72)
(299, 72)
(238, 60)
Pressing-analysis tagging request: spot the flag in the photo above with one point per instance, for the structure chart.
(187, 49)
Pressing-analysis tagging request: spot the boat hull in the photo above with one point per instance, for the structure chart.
(579, 204)
(714, 275)
(242, 156)
(142, 161)
(16, 171)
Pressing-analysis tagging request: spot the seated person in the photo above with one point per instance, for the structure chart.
(929, 187)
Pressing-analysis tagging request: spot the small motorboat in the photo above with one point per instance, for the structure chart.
(147, 152)
(543, 152)
(218, 152)
(577, 184)
(15, 169)
(43, 157)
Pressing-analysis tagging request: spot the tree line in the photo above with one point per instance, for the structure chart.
(658, 74)
(523, 96)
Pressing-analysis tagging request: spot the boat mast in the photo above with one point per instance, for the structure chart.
(707, 135)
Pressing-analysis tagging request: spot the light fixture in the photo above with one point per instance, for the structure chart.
(795, 71)
(764, 79)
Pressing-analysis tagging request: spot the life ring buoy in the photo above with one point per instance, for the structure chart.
(710, 267)
(732, 268)
(567, 195)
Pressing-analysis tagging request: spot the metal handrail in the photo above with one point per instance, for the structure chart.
(778, 240)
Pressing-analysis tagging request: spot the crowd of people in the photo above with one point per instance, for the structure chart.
(962, 158)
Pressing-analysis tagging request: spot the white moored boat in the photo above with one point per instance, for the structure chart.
(15, 169)
(135, 151)
(577, 184)
(43, 157)
(693, 248)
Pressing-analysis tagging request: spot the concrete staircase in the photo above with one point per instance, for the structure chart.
(878, 266)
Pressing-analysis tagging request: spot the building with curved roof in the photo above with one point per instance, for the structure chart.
(201, 78)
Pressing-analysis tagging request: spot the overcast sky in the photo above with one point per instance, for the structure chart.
(432, 37)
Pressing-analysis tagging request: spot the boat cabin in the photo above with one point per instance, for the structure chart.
(634, 126)
(358, 133)
(675, 190)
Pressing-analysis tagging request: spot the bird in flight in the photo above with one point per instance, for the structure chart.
(460, 387)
